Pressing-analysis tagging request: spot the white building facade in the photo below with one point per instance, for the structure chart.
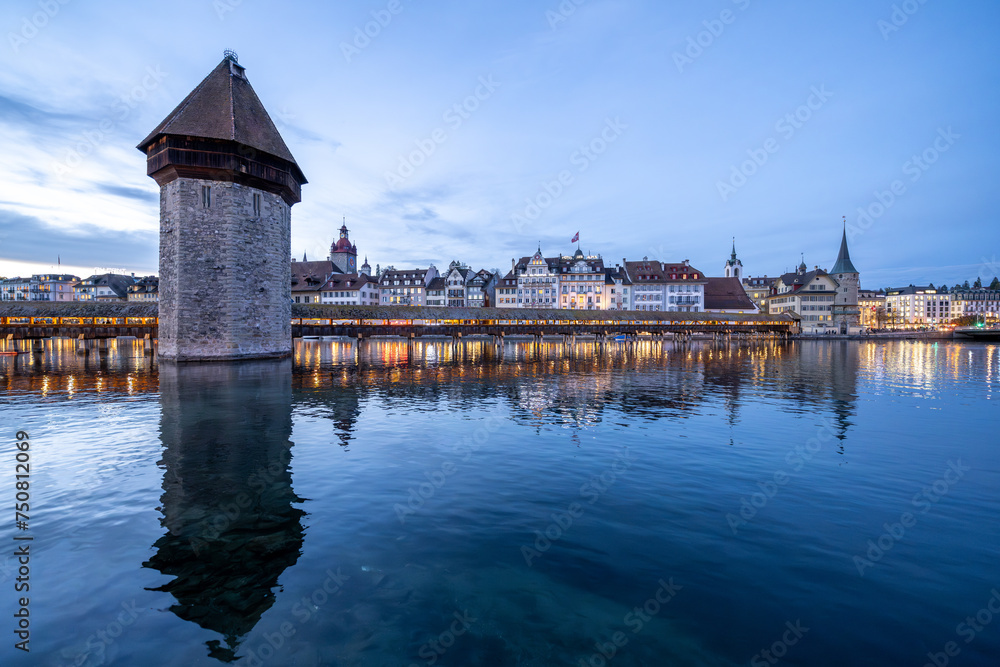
(917, 306)
(407, 287)
(673, 287)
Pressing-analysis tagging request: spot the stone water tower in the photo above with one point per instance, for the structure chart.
(227, 187)
(846, 313)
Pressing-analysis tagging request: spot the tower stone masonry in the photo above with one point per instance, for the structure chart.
(845, 311)
(227, 185)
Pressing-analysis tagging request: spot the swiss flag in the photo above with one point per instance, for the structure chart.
(575, 238)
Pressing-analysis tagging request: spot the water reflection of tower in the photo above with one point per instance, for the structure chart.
(843, 384)
(726, 368)
(228, 503)
(825, 374)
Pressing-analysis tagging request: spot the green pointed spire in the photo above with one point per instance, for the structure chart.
(844, 264)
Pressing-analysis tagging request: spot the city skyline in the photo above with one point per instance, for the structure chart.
(529, 125)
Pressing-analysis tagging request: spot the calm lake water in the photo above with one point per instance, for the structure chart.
(828, 502)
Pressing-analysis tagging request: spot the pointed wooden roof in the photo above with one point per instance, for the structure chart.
(224, 106)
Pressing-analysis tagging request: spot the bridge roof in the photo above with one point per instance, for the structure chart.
(431, 312)
(77, 309)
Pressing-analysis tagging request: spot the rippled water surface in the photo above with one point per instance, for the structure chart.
(828, 503)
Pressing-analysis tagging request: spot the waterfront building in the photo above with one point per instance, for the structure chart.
(810, 294)
(537, 281)
(846, 313)
(16, 289)
(871, 304)
(227, 186)
(407, 287)
(39, 287)
(506, 291)
(978, 302)
(350, 289)
(617, 289)
(581, 282)
(666, 286)
(308, 279)
(52, 287)
(461, 287)
(480, 290)
(758, 288)
(145, 290)
(103, 287)
(726, 295)
(437, 291)
(734, 267)
(917, 306)
(455, 279)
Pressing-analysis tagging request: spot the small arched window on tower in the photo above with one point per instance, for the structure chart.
(256, 204)
(206, 196)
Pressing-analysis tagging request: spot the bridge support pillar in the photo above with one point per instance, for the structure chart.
(37, 346)
(81, 345)
(147, 344)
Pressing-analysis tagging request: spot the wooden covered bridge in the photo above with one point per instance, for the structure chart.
(20, 320)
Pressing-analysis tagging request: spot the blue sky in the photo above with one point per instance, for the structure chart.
(657, 129)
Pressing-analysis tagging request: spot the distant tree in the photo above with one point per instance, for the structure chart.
(978, 284)
(943, 288)
(966, 321)
(995, 284)
(931, 285)
(965, 285)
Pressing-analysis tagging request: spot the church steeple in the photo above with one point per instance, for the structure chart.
(734, 267)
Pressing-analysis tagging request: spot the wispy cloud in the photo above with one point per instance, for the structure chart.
(27, 238)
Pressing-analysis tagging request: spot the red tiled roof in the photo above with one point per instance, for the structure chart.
(726, 294)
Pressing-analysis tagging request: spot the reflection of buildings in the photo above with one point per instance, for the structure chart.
(228, 504)
(340, 403)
